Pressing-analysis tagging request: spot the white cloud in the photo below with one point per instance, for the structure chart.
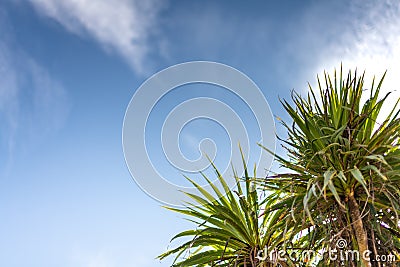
(8, 100)
(124, 26)
(370, 43)
(362, 34)
(32, 104)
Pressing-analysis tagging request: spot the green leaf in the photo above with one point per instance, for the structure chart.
(360, 178)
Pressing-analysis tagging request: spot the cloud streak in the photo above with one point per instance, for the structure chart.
(366, 36)
(375, 47)
(32, 104)
(8, 102)
(123, 26)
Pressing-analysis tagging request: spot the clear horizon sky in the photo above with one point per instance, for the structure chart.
(68, 69)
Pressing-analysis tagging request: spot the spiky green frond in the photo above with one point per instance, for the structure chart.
(231, 227)
(337, 150)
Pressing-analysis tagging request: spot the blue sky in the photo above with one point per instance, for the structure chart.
(68, 70)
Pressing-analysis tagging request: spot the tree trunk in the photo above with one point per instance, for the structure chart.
(358, 227)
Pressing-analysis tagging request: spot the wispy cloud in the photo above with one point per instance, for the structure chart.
(8, 101)
(124, 26)
(361, 34)
(371, 42)
(32, 104)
